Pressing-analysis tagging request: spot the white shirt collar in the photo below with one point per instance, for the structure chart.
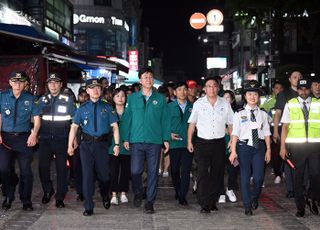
(308, 100)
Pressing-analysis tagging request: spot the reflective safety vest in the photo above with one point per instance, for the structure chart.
(296, 129)
(56, 116)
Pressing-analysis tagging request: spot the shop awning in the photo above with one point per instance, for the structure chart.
(25, 32)
(67, 55)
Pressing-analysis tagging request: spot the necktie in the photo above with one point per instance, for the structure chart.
(15, 112)
(306, 115)
(95, 117)
(255, 137)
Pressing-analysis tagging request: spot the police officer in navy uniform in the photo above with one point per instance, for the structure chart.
(96, 120)
(251, 145)
(18, 110)
(57, 110)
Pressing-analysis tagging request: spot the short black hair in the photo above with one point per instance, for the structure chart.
(144, 70)
(213, 79)
(179, 84)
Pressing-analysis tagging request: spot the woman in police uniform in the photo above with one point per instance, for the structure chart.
(251, 145)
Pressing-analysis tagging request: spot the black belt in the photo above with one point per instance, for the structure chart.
(245, 141)
(15, 134)
(87, 137)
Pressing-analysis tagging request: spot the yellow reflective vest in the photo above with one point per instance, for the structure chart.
(296, 129)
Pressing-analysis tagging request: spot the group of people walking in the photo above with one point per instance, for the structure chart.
(120, 137)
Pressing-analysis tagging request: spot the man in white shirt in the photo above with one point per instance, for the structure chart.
(210, 115)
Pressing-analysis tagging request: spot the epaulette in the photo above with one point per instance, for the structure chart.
(83, 104)
(64, 97)
(263, 109)
(240, 109)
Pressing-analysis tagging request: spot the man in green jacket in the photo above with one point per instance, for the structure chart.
(146, 126)
(180, 157)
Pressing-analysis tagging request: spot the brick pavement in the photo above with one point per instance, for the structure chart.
(275, 212)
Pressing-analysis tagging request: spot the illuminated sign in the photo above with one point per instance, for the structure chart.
(217, 62)
(9, 16)
(215, 17)
(87, 19)
(133, 60)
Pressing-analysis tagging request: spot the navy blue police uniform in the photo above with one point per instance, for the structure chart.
(56, 116)
(95, 120)
(16, 114)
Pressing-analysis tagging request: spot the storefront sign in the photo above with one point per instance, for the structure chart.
(87, 19)
(133, 60)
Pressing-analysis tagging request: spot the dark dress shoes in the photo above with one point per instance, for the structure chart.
(47, 197)
(312, 206)
(137, 201)
(248, 211)
(7, 203)
(27, 206)
(60, 204)
(290, 194)
(149, 208)
(80, 197)
(300, 213)
(106, 202)
(254, 203)
(205, 210)
(183, 202)
(214, 208)
(88, 212)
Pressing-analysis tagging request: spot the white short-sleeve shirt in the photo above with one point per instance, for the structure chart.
(242, 124)
(211, 120)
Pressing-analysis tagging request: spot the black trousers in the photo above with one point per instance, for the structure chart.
(58, 147)
(94, 158)
(305, 155)
(120, 172)
(16, 148)
(180, 163)
(77, 170)
(210, 158)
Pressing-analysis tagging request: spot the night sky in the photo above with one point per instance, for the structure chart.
(172, 37)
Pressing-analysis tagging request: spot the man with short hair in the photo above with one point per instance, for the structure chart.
(18, 109)
(57, 110)
(210, 114)
(301, 138)
(97, 122)
(146, 127)
(282, 99)
(315, 87)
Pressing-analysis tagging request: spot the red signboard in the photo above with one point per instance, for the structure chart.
(133, 60)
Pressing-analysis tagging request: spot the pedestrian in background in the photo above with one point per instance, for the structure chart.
(250, 145)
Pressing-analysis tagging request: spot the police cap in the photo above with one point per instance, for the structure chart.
(252, 86)
(90, 83)
(18, 76)
(82, 89)
(53, 77)
(304, 83)
(315, 79)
